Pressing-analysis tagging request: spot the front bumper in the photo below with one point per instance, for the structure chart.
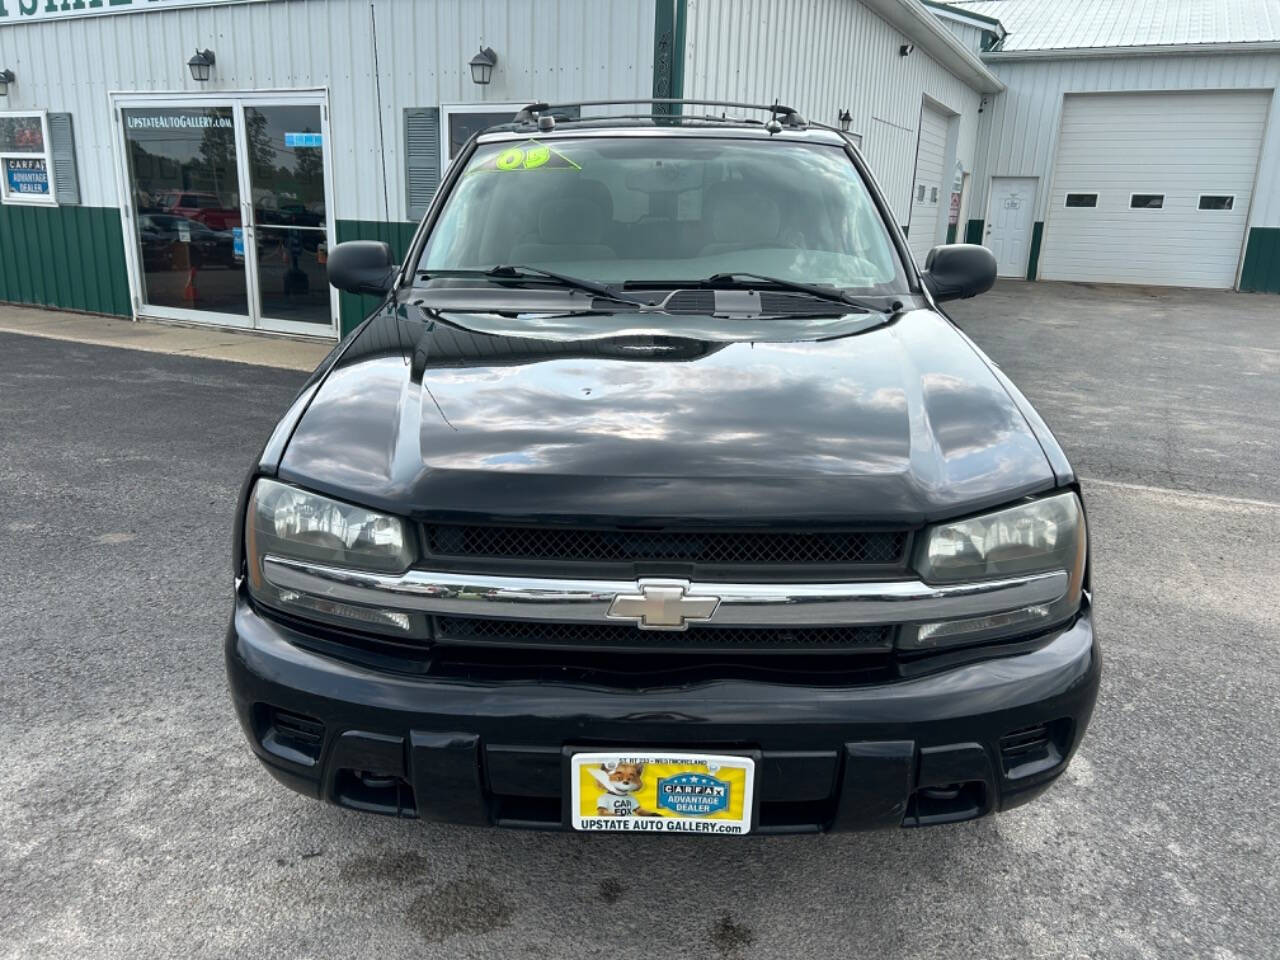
(933, 749)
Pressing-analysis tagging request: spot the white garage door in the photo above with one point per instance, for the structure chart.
(926, 195)
(1153, 188)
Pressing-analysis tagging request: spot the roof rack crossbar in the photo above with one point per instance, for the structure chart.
(530, 113)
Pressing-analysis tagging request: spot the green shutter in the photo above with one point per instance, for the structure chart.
(422, 158)
(62, 150)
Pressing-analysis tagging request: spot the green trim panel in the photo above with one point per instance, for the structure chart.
(677, 54)
(973, 231)
(951, 233)
(1261, 271)
(669, 25)
(1033, 259)
(66, 257)
(352, 307)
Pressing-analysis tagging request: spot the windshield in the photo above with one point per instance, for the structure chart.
(667, 209)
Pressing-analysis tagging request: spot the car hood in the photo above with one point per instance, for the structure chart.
(617, 418)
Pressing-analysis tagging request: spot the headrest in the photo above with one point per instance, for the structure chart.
(742, 215)
(576, 215)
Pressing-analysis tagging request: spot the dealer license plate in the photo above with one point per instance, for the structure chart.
(658, 792)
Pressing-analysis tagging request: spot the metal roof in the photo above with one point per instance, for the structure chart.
(1091, 24)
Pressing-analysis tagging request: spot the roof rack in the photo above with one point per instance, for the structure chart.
(790, 116)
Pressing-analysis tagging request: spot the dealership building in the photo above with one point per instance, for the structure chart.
(195, 160)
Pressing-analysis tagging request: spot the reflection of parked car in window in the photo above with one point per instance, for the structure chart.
(157, 250)
(206, 208)
(288, 215)
(208, 247)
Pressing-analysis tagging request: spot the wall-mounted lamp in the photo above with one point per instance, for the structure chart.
(6, 78)
(905, 49)
(202, 65)
(846, 118)
(482, 65)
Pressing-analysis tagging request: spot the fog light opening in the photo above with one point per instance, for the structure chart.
(289, 736)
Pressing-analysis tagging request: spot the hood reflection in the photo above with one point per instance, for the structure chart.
(906, 414)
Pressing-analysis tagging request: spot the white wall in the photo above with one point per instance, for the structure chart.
(1019, 130)
(966, 33)
(547, 49)
(822, 56)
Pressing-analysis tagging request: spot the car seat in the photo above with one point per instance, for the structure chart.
(740, 217)
(573, 223)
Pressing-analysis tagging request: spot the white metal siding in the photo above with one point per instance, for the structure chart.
(931, 196)
(1179, 146)
(966, 33)
(547, 49)
(821, 56)
(1019, 129)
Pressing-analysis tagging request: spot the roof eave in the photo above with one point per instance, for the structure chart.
(941, 9)
(929, 34)
(1147, 50)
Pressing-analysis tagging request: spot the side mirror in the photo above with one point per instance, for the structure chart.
(957, 271)
(362, 266)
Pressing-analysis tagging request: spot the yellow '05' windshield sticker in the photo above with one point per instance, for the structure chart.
(531, 156)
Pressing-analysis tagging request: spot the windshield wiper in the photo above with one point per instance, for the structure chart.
(507, 271)
(833, 294)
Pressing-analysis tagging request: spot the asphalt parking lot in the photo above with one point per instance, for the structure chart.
(135, 823)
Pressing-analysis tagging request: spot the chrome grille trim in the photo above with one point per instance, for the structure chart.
(741, 604)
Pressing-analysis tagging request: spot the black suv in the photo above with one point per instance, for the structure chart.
(658, 495)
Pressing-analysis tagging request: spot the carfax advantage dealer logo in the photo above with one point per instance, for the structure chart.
(693, 794)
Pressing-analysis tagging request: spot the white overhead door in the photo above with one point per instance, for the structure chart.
(926, 193)
(1153, 188)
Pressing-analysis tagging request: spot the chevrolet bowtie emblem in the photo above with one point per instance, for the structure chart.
(662, 605)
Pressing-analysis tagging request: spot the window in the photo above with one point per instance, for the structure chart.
(25, 170)
(920, 193)
(1216, 201)
(1146, 201)
(1082, 200)
(458, 121)
(619, 208)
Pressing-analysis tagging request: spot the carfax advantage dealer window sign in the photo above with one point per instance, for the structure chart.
(23, 11)
(25, 168)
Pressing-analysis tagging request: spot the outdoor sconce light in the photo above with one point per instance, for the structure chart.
(6, 78)
(482, 65)
(201, 65)
(846, 118)
(905, 49)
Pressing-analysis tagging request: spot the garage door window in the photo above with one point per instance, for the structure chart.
(1146, 201)
(1216, 201)
(1082, 200)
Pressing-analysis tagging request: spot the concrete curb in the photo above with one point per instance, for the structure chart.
(156, 337)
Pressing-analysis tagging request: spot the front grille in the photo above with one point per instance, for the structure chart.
(718, 548)
(624, 636)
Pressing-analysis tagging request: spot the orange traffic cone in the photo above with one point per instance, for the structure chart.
(189, 291)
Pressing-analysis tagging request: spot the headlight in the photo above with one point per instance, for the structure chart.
(1042, 536)
(287, 522)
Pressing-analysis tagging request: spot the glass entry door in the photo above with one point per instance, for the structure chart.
(229, 210)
